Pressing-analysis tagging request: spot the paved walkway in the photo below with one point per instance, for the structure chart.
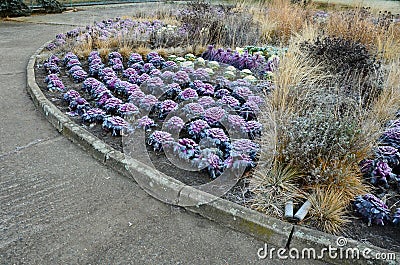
(60, 206)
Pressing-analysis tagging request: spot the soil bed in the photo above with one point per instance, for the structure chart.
(387, 237)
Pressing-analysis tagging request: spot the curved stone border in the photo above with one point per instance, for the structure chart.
(268, 229)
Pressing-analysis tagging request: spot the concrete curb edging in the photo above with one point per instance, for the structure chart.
(268, 229)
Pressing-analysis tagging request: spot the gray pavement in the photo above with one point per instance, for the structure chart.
(60, 206)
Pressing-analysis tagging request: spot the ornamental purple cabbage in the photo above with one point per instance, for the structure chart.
(116, 124)
(94, 115)
(174, 124)
(159, 138)
(372, 209)
(188, 94)
(146, 123)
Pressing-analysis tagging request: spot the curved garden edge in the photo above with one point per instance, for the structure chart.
(268, 229)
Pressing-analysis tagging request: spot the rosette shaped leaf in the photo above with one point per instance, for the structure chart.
(249, 110)
(51, 68)
(372, 209)
(188, 94)
(74, 69)
(94, 55)
(229, 101)
(186, 148)
(135, 58)
(215, 166)
(388, 154)
(79, 76)
(172, 90)
(242, 93)
(181, 77)
(127, 110)
(174, 124)
(95, 68)
(169, 64)
(213, 116)
(94, 115)
(115, 124)
(391, 137)
(157, 61)
(111, 105)
(68, 57)
(114, 55)
(159, 138)
(167, 76)
(201, 74)
(148, 102)
(216, 137)
(206, 101)
(235, 122)
(91, 84)
(193, 110)
(166, 107)
(71, 95)
(252, 128)
(79, 105)
(196, 128)
(146, 123)
(136, 96)
(244, 147)
(153, 85)
(143, 78)
(72, 63)
(128, 72)
(222, 93)
(54, 83)
(147, 68)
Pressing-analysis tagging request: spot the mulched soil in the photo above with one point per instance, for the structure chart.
(387, 237)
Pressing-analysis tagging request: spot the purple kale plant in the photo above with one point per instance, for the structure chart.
(372, 209)
(115, 124)
(159, 138)
(146, 123)
(94, 115)
(127, 110)
(174, 124)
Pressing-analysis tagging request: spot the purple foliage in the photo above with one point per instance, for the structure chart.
(252, 128)
(148, 102)
(229, 101)
(196, 128)
(127, 110)
(159, 138)
(181, 77)
(71, 95)
(214, 115)
(193, 110)
(186, 148)
(116, 124)
(166, 107)
(94, 115)
(206, 101)
(188, 94)
(79, 76)
(79, 105)
(146, 123)
(174, 124)
(111, 105)
(372, 209)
